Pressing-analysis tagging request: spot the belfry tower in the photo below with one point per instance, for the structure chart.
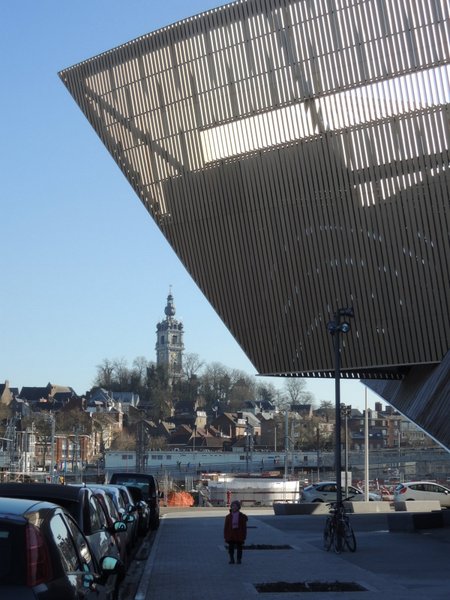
(169, 342)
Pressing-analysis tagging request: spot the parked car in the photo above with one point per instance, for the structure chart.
(150, 490)
(325, 491)
(143, 509)
(113, 518)
(422, 490)
(131, 509)
(123, 510)
(85, 509)
(44, 555)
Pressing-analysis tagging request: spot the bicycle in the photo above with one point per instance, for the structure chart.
(338, 532)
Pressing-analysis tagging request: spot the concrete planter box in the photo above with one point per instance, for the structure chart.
(321, 508)
(417, 506)
(368, 507)
(300, 508)
(410, 521)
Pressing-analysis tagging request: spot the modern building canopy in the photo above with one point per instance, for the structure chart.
(295, 155)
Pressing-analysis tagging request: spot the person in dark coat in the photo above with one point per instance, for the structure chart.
(235, 531)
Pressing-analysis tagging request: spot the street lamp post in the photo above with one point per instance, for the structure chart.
(248, 444)
(346, 413)
(318, 452)
(335, 328)
(286, 443)
(52, 471)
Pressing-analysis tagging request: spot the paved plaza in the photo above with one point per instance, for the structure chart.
(189, 559)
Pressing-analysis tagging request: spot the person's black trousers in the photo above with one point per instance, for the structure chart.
(232, 546)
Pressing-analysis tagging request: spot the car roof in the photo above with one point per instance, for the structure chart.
(44, 491)
(329, 483)
(424, 481)
(121, 486)
(105, 487)
(20, 506)
(130, 474)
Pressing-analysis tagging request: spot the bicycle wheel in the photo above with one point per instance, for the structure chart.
(328, 535)
(350, 539)
(339, 538)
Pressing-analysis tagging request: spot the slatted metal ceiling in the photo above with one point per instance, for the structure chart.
(295, 154)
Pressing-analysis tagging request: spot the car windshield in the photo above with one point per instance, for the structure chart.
(142, 482)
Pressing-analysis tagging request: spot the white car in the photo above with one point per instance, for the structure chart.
(325, 491)
(422, 490)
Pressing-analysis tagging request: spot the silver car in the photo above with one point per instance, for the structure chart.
(325, 491)
(422, 490)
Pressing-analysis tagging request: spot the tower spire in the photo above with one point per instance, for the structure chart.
(169, 311)
(169, 341)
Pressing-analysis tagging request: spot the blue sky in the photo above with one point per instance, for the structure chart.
(85, 270)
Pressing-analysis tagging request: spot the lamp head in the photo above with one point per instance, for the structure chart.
(332, 327)
(347, 312)
(344, 327)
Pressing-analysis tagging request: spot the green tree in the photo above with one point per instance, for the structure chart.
(215, 386)
(265, 392)
(242, 391)
(327, 410)
(158, 394)
(187, 389)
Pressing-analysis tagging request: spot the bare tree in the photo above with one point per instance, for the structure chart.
(295, 389)
(192, 364)
(141, 366)
(5, 414)
(105, 374)
(124, 441)
(121, 374)
(42, 430)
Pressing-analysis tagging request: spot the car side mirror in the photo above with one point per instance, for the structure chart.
(129, 518)
(110, 565)
(119, 526)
